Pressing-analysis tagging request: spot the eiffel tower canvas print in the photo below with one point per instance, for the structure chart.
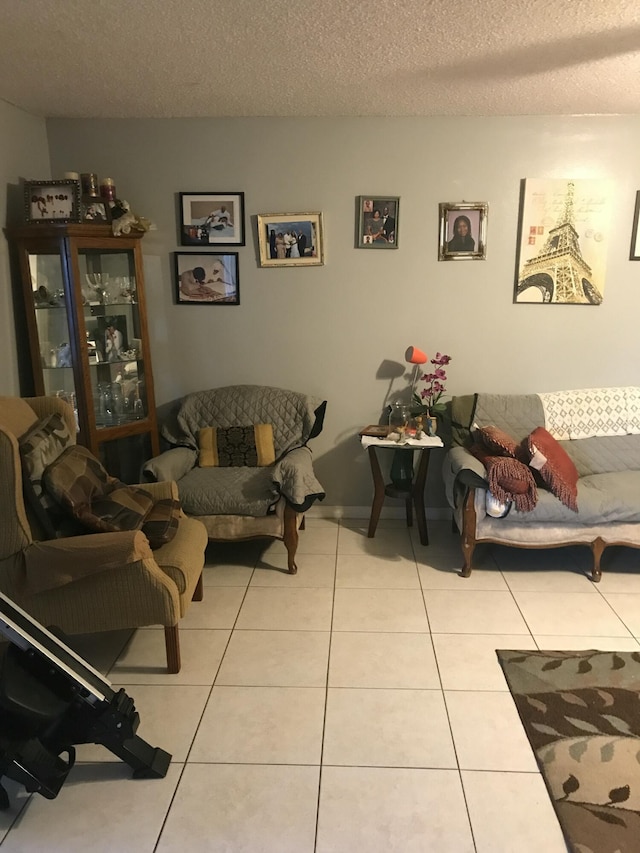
(563, 241)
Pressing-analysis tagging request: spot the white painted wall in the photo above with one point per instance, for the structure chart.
(326, 330)
(24, 153)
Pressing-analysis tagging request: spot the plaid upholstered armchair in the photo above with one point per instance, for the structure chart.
(241, 460)
(96, 581)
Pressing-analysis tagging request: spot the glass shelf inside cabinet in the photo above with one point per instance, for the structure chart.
(113, 335)
(52, 323)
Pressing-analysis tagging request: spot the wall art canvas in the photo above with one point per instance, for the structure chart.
(564, 235)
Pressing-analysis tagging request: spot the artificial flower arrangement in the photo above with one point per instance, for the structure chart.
(429, 397)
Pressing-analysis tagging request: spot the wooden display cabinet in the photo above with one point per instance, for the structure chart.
(84, 296)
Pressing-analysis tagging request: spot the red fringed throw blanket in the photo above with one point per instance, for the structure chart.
(509, 479)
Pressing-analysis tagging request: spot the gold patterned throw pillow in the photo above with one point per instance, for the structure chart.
(234, 447)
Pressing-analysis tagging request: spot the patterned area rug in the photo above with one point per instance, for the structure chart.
(581, 713)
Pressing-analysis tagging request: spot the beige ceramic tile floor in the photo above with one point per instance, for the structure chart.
(357, 707)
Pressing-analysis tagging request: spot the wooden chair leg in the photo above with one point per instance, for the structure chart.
(290, 538)
(198, 592)
(172, 643)
(597, 548)
(468, 533)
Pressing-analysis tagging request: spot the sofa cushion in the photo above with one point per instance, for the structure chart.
(497, 441)
(516, 414)
(122, 508)
(602, 499)
(80, 484)
(236, 446)
(295, 417)
(604, 454)
(228, 491)
(16, 415)
(39, 447)
(77, 477)
(554, 465)
(161, 523)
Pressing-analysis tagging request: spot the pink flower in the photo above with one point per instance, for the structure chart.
(435, 387)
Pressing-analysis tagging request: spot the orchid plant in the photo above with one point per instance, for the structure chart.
(430, 396)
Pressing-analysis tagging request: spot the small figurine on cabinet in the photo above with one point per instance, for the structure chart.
(63, 355)
(124, 220)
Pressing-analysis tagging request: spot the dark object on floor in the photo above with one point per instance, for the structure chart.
(50, 701)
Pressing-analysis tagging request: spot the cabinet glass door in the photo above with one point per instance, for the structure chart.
(113, 335)
(52, 317)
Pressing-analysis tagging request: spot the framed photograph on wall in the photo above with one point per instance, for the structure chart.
(377, 222)
(52, 201)
(635, 237)
(463, 231)
(210, 219)
(290, 239)
(207, 278)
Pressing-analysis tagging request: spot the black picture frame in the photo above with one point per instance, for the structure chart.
(94, 210)
(212, 219)
(218, 283)
(47, 202)
(378, 218)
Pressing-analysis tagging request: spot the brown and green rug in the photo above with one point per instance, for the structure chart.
(581, 713)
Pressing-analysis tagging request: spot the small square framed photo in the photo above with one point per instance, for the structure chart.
(210, 219)
(377, 222)
(94, 210)
(290, 239)
(52, 201)
(634, 255)
(207, 278)
(463, 231)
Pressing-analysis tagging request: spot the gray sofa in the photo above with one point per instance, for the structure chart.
(600, 431)
(239, 498)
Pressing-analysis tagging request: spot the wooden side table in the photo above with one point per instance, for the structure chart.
(410, 490)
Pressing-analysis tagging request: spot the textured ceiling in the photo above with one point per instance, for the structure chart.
(169, 58)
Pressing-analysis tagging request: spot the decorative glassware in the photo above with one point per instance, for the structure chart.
(399, 413)
(97, 284)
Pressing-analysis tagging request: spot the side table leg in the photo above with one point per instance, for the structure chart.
(409, 511)
(417, 493)
(378, 492)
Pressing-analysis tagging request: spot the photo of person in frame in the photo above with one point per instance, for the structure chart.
(378, 221)
(460, 230)
(207, 278)
(290, 240)
(111, 337)
(209, 221)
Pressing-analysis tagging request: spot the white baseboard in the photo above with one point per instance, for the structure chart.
(320, 511)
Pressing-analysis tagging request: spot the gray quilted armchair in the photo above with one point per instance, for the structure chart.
(240, 457)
